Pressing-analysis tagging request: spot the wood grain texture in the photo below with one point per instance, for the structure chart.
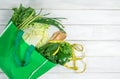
(63, 4)
(94, 65)
(3, 76)
(93, 23)
(81, 76)
(75, 76)
(88, 32)
(9, 4)
(77, 4)
(76, 16)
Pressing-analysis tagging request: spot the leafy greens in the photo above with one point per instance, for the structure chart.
(23, 17)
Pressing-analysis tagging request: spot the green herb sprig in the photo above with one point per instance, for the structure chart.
(23, 17)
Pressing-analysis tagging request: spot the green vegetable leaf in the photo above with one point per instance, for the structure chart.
(21, 14)
(63, 55)
(50, 21)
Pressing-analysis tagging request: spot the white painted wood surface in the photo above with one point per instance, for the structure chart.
(93, 23)
(105, 17)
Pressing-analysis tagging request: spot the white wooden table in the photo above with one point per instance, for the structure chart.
(94, 23)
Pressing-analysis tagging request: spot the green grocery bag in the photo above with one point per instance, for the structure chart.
(18, 60)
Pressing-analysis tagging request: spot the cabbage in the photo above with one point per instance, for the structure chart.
(36, 34)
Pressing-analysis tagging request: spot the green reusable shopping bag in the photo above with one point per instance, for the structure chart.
(18, 60)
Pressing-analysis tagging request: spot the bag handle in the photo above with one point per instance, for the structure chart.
(28, 51)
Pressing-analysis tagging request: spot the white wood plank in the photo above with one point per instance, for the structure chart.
(3, 76)
(99, 46)
(76, 16)
(76, 76)
(81, 76)
(9, 4)
(94, 65)
(92, 32)
(2, 28)
(88, 32)
(77, 4)
(87, 16)
(63, 4)
(5, 16)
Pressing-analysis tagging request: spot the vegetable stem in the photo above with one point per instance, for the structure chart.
(26, 20)
(56, 51)
(31, 21)
(23, 25)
